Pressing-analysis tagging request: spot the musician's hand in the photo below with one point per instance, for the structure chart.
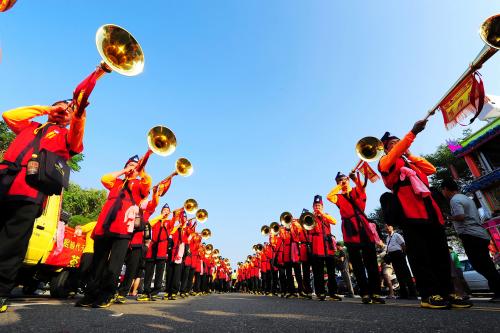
(128, 169)
(419, 126)
(352, 175)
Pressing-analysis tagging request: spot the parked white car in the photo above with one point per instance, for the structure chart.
(476, 281)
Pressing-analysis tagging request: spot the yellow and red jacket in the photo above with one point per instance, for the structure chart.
(323, 244)
(57, 139)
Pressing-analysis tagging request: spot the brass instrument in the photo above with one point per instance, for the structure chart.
(249, 257)
(369, 149)
(226, 260)
(265, 230)
(275, 228)
(286, 219)
(119, 50)
(190, 206)
(259, 248)
(216, 252)
(182, 168)
(5, 5)
(307, 221)
(209, 248)
(206, 233)
(161, 141)
(490, 34)
(201, 215)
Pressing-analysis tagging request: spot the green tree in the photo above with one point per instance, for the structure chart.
(83, 204)
(7, 136)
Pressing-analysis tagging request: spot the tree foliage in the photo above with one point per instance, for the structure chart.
(83, 204)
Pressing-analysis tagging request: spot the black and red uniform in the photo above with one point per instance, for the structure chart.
(21, 204)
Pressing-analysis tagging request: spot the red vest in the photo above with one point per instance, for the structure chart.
(119, 200)
(158, 247)
(320, 246)
(55, 139)
(137, 238)
(353, 222)
(415, 208)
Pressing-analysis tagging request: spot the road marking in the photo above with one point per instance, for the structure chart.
(28, 304)
(116, 314)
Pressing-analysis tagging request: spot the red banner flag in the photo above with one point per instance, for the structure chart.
(71, 252)
(367, 171)
(466, 99)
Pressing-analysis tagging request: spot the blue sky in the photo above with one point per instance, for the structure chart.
(266, 98)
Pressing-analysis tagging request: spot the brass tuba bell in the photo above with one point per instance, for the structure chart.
(216, 252)
(275, 228)
(190, 206)
(161, 140)
(209, 248)
(206, 233)
(119, 50)
(201, 215)
(307, 221)
(286, 219)
(369, 149)
(265, 230)
(183, 167)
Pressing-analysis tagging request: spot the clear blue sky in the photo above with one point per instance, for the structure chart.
(266, 98)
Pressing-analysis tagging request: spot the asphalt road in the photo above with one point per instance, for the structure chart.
(245, 313)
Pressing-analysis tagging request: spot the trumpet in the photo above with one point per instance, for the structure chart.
(206, 233)
(369, 149)
(258, 248)
(307, 220)
(216, 252)
(286, 219)
(275, 228)
(265, 230)
(161, 141)
(209, 248)
(490, 34)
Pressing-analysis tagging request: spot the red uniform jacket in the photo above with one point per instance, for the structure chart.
(415, 208)
(158, 247)
(353, 221)
(55, 139)
(323, 244)
(111, 220)
(138, 236)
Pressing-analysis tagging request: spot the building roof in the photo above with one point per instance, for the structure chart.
(475, 140)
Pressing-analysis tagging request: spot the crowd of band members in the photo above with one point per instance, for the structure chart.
(175, 246)
(291, 253)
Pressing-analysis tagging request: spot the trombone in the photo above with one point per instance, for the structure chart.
(183, 168)
(490, 34)
(307, 220)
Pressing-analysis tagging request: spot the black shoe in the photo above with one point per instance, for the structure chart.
(3, 304)
(376, 299)
(434, 302)
(335, 297)
(322, 297)
(120, 299)
(458, 302)
(105, 303)
(366, 299)
(495, 299)
(85, 302)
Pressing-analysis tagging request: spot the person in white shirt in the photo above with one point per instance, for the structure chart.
(395, 254)
(475, 238)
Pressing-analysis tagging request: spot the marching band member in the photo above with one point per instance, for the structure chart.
(265, 268)
(156, 255)
(358, 236)
(87, 254)
(178, 238)
(21, 203)
(421, 220)
(305, 260)
(135, 252)
(323, 251)
(113, 231)
(188, 265)
(280, 262)
(273, 241)
(290, 258)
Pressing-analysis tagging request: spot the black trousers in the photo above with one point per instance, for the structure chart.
(188, 286)
(81, 277)
(478, 253)
(184, 277)
(429, 257)
(197, 282)
(282, 279)
(109, 255)
(274, 281)
(289, 266)
(173, 278)
(204, 283)
(267, 279)
(406, 285)
(132, 263)
(16, 225)
(318, 265)
(306, 277)
(156, 266)
(363, 258)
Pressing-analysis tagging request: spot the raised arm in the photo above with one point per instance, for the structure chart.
(20, 118)
(332, 196)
